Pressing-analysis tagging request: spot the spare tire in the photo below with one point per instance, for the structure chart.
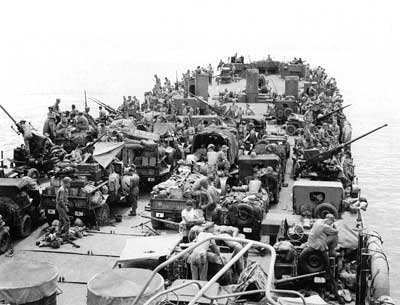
(325, 208)
(291, 130)
(311, 260)
(33, 173)
(288, 111)
(246, 215)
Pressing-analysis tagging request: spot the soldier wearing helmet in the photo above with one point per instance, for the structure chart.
(130, 187)
(62, 206)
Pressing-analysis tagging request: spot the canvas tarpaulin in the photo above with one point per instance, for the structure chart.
(105, 152)
(121, 286)
(225, 133)
(27, 282)
(164, 129)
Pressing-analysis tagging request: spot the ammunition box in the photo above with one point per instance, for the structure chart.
(88, 167)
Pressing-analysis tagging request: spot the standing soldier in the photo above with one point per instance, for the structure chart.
(56, 106)
(103, 114)
(62, 206)
(210, 74)
(26, 131)
(130, 186)
(52, 122)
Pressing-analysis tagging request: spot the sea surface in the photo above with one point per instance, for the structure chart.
(377, 157)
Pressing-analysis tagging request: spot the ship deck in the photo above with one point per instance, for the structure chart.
(101, 250)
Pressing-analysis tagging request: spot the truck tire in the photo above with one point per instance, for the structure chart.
(288, 111)
(103, 215)
(291, 130)
(25, 228)
(157, 225)
(5, 241)
(325, 208)
(33, 173)
(311, 261)
(246, 215)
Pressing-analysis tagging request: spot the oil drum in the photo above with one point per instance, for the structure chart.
(28, 283)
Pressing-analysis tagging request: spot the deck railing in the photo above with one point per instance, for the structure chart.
(202, 291)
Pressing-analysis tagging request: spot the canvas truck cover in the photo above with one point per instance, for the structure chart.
(121, 286)
(226, 133)
(105, 152)
(164, 129)
(27, 282)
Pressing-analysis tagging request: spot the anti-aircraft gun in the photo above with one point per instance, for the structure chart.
(320, 119)
(315, 164)
(40, 159)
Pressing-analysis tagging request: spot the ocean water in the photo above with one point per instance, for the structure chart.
(377, 157)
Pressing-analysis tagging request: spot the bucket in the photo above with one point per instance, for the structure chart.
(28, 283)
(121, 286)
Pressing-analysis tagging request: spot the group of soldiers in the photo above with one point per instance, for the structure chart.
(322, 131)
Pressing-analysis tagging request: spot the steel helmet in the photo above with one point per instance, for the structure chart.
(78, 222)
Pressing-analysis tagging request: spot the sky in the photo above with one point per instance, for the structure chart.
(117, 46)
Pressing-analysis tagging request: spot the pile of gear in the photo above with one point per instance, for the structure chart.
(178, 186)
(53, 239)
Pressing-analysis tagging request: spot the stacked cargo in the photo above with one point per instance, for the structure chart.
(178, 186)
(245, 211)
(168, 198)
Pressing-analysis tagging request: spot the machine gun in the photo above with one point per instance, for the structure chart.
(328, 154)
(106, 107)
(322, 118)
(19, 129)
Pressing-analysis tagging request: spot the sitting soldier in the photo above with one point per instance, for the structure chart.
(198, 259)
(190, 217)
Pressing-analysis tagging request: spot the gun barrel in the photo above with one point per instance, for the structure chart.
(321, 156)
(9, 115)
(109, 108)
(331, 113)
(364, 135)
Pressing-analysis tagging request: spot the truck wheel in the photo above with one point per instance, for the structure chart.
(103, 215)
(157, 225)
(5, 241)
(288, 111)
(26, 226)
(33, 173)
(325, 208)
(311, 261)
(246, 215)
(291, 130)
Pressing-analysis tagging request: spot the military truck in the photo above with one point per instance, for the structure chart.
(226, 75)
(294, 122)
(87, 198)
(19, 205)
(315, 198)
(281, 140)
(168, 198)
(150, 162)
(284, 108)
(272, 182)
